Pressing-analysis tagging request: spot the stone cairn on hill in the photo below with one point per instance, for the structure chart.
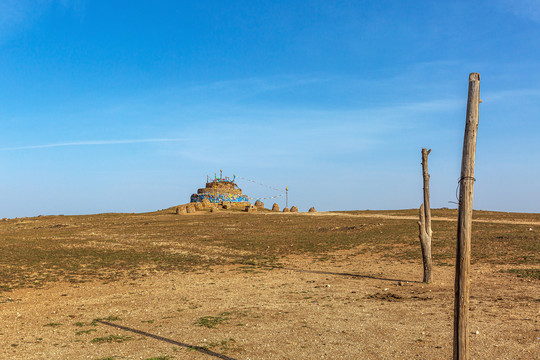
(190, 209)
(294, 209)
(220, 190)
(275, 207)
(286, 209)
(251, 208)
(312, 209)
(259, 204)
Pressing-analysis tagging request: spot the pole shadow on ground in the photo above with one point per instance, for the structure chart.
(345, 274)
(170, 341)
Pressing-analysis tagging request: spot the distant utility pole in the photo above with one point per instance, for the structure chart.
(463, 253)
(425, 221)
(286, 196)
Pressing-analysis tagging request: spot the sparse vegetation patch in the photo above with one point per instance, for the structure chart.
(110, 339)
(526, 273)
(210, 321)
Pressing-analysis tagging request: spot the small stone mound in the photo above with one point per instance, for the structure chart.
(286, 209)
(312, 209)
(190, 209)
(259, 204)
(251, 208)
(180, 210)
(198, 206)
(294, 209)
(275, 207)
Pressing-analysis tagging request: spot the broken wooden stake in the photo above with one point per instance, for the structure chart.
(425, 221)
(463, 254)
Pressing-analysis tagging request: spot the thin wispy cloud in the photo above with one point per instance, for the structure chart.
(529, 9)
(16, 15)
(90, 143)
(515, 93)
(11, 13)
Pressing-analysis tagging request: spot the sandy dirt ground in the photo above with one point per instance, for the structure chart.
(355, 306)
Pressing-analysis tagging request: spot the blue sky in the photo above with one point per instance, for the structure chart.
(126, 106)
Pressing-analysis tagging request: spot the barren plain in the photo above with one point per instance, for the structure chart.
(233, 285)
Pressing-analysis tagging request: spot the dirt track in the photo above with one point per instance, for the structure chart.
(434, 218)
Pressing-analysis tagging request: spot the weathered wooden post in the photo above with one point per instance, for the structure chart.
(425, 221)
(463, 255)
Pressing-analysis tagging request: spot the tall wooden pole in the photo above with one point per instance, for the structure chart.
(425, 221)
(463, 255)
(425, 175)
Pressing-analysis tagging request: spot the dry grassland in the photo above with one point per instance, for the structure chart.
(232, 285)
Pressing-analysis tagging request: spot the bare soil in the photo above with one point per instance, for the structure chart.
(285, 287)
